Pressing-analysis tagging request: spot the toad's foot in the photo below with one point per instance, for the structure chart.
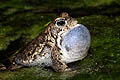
(58, 64)
(14, 66)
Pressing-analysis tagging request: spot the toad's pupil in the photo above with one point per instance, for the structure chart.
(60, 23)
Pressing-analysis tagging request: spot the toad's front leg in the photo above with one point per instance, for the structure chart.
(57, 64)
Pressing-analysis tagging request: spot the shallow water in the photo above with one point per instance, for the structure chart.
(21, 22)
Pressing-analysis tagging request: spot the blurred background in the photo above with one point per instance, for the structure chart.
(22, 20)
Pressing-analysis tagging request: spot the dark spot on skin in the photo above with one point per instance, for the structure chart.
(61, 54)
(67, 48)
(42, 64)
(47, 45)
(35, 56)
(29, 54)
(61, 42)
(34, 50)
(60, 63)
(41, 51)
(24, 57)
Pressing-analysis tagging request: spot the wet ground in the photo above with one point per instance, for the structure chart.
(23, 20)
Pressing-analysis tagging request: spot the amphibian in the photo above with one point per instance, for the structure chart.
(63, 41)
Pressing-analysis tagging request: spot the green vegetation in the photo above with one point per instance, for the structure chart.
(23, 20)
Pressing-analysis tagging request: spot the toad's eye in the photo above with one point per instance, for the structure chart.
(60, 22)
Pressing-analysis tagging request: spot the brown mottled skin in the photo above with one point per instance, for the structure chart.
(48, 39)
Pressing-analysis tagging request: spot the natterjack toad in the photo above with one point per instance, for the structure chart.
(63, 41)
